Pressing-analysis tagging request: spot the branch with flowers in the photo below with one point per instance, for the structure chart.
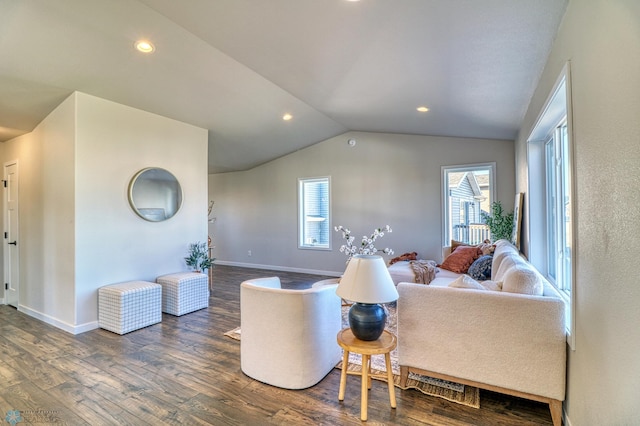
(366, 245)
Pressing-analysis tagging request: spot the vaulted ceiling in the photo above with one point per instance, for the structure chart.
(235, 67)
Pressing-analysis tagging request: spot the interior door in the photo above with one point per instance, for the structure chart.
(11, 252)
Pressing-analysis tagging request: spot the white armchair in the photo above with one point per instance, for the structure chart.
(288, 336)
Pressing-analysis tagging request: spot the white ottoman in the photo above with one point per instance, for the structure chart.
(184, 292)
(129, 306)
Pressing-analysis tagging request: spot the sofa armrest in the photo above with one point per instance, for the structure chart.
(446, 251)
(501, 339)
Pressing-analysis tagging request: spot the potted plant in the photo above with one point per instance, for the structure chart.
(198, 258)
(500, 223)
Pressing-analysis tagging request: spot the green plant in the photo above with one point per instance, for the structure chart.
(500, 223)
(198, 257)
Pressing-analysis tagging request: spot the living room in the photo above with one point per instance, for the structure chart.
(386, 178)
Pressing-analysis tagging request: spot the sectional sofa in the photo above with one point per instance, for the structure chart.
(506, 334)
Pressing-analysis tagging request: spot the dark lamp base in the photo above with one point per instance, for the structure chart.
(367, 321)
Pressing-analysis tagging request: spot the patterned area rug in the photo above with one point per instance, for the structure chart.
(234, 334)
(454, 392)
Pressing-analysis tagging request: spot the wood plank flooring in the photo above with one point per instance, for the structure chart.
(184, 371)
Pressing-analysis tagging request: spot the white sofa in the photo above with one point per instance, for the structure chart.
(288, 336)
(501, 341)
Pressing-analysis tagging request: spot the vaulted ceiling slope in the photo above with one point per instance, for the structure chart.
(235, 67)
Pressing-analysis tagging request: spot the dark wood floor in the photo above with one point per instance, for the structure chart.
(184, 371)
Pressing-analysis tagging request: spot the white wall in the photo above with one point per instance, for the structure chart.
(78, 231)
(385, 179)
(601, 39)
(113, 244)
(46, 215)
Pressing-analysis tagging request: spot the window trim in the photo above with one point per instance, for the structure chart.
(446, 214)
(557, 108)
(301, 234)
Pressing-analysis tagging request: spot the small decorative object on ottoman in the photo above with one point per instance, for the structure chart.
(184, 292)
(129, 306)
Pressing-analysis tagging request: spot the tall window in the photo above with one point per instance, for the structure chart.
(550, 187)
(466, 191)
(314, 213)
(559, 208)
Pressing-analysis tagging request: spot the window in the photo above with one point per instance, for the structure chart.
(314, 213)
(467, 190)
(559, 208)
(550, 188)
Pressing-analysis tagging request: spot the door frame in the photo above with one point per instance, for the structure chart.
(10, 274)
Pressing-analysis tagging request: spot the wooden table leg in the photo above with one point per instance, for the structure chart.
(365, 387)
(392, 392)
(210, 274)
(383, 346)
(343, 375)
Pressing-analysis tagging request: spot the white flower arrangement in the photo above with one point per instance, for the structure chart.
(366, 245)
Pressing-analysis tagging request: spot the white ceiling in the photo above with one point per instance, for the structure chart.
(236, 66)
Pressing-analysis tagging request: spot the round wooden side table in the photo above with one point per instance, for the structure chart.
(383, 346)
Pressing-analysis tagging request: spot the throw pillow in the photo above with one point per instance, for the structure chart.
(480, 269)
(465, 281)
(455, 244)
(460, 259)
(492, 285)
(406, 256)
(487, 248)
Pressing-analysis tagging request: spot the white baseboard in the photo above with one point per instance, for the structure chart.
(565, 418)
(69, 328)
(279, 268)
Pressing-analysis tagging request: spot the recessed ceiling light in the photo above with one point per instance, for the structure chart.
(287, 117)
(422, 109)
(145, 46)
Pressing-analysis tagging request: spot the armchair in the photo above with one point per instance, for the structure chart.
(288, 336)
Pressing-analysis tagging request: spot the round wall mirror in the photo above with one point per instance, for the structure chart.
(155, 194)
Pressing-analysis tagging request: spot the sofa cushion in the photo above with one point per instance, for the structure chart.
(499, 268)
(480, 269)
(504, 257)
(460, 259)
(521, 278)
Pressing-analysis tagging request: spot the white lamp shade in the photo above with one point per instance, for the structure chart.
(367, 280)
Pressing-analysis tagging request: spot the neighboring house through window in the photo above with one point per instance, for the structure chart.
(314, 213)
(467, 190)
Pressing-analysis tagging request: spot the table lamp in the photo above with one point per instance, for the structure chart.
(367, 282)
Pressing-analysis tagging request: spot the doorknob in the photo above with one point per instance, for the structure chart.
(15, 243)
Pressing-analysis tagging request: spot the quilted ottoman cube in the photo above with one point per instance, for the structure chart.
(184, 292)
(129, 306)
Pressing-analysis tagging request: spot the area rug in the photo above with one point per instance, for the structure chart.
(454, 392)
(234, 334)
